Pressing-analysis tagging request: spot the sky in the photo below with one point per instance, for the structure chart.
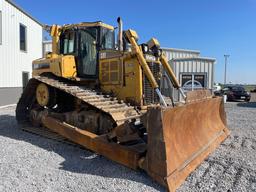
(215, 27)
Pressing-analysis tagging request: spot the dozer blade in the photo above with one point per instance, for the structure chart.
(180, 138)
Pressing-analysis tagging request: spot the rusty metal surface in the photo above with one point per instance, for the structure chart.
(47, 133)
(179, 139)
(198, 95)
(119, 111)
(99, 144)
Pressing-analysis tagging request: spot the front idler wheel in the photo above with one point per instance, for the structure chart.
(45, 95)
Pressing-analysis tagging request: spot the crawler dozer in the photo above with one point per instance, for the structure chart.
(104, 94)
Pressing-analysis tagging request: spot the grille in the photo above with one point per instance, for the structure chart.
(110, 72)
(150, 96)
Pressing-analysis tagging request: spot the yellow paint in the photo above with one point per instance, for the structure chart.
(132, 36)
(153, 42)
(110, 71)
(88, 24)
(55, 33)
(170, 72)
(120, 73)
(62, 66)
(42, 94)
(129, 86)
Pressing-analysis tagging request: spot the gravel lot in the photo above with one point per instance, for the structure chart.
(31, 163)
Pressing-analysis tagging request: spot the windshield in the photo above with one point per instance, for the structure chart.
(108, 39)
(237, 89)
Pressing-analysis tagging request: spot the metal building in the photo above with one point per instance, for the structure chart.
(192, 70)
(20, 43)
(47, 47)
(173, 53)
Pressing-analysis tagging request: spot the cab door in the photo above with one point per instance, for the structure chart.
(87, 53)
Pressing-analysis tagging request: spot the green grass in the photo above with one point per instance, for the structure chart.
(249, 87)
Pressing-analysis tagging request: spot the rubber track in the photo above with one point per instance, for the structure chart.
(119, 111)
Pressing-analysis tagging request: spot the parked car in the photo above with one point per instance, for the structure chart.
(216, 87)
(236, 92)
(253, 90)
(216, 90)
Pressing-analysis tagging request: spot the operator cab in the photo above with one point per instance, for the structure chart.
(84, 42)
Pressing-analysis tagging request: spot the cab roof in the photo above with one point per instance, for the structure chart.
(89, 24)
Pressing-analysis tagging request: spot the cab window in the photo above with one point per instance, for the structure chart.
(68, 43)
(108, 39)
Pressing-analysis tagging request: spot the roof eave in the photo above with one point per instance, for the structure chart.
(194, 58)
(180, 50)
(24, 12)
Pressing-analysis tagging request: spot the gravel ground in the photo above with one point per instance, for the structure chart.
(31, 163)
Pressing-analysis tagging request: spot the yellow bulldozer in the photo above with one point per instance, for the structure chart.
(104, 94)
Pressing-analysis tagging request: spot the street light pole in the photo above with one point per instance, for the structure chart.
(225, 73)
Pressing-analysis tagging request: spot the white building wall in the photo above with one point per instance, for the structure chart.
(173, 53)
(185, 61)
(12, 60)
(195, 65)
(199, 65)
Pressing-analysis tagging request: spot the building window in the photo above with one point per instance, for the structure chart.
(0, 27)
(23, 37)
(25, 78)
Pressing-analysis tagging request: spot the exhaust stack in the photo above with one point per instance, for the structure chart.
(120, 34)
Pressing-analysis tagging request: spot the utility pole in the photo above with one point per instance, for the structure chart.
(225, 73)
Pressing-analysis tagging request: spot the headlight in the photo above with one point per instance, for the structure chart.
(158, 52)
(145, 48)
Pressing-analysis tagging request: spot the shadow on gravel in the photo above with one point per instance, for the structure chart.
(77, 159)
(249, 104)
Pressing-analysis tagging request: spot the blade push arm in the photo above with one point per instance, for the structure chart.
(132, 37)
(171, 75)
(55, 32)
(154, 44)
